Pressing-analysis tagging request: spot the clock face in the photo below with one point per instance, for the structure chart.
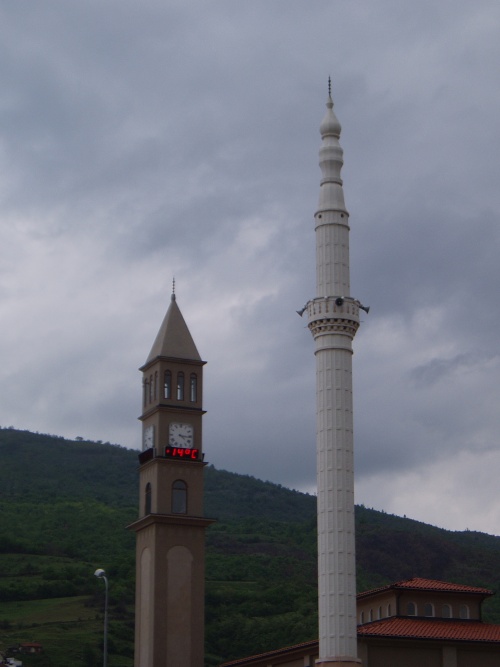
(148, 439)
(180, 435)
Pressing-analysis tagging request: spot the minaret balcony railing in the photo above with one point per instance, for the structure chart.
(333, 315)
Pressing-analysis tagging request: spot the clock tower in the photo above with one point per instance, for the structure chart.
(170, 547)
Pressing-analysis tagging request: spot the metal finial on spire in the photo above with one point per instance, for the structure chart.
(173, 289)
(329, 87)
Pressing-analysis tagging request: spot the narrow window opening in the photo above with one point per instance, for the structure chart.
(193, 388)
(180, 386)
(411, 609)
(167, 386)
(147, 499)
(464, 611)
(428, 609)
(179, 497)
(446, 611)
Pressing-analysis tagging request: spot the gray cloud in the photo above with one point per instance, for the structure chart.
(139, 142)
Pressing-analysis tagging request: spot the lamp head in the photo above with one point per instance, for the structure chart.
(99, 573)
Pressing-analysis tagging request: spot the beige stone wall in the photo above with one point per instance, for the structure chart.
(378, 604)
(414, 656)
(478, 658)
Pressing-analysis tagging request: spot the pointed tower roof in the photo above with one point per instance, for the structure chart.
(173, 338)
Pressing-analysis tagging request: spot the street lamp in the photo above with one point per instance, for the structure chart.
(102, 575)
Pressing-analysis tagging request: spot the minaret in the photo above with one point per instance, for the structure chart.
(170, 546)
(333, 318)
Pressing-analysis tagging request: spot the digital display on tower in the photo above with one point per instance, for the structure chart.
(183, 453)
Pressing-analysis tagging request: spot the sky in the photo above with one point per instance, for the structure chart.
(142, 141)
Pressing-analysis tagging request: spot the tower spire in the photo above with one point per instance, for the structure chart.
(333, 319)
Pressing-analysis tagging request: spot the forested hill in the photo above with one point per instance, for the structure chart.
(48, 468)
(65, 505)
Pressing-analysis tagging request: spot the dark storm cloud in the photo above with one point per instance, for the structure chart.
(441, 369)
(139, 142)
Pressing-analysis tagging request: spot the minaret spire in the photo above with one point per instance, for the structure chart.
(333, 318)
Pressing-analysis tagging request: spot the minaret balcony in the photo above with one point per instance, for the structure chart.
(333, 315)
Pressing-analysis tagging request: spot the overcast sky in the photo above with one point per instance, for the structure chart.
(142, 140)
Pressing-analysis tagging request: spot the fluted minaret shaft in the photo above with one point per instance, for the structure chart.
(333, 318)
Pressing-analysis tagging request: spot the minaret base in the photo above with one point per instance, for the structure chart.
(346, 661)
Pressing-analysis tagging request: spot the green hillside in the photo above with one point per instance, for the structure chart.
(65, 506)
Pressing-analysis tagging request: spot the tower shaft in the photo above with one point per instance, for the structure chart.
(333, 318)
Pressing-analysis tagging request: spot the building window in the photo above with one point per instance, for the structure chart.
(370, 616)
(150, 388)
(428, 609)
(193, 388)
(180, 386)
(156, 385)
(145, 392)
(179, 497)
(147, 499)
(411, 609)
(362, 618)
(464, 611)
(379, 613)
(388, 610)
(167, 386)
(446, 611)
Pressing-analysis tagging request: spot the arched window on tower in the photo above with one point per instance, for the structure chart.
(193, 388)
(180, 386)
(167, 385)
(147, 499)
(411, 609)
(156, 386)
(150, 388)
(145, 391)
(179, 497)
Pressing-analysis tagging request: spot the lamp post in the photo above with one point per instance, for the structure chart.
(101, 574)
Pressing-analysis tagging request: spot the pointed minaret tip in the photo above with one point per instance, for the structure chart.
(330, 125)
(172, 298)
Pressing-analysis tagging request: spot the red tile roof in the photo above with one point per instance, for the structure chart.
(415, 628)
(400, 628)
(310, 646)
(418, 584)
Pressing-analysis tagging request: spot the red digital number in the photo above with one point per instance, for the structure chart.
(182, 452)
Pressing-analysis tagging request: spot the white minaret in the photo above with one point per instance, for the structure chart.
(333, 318)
